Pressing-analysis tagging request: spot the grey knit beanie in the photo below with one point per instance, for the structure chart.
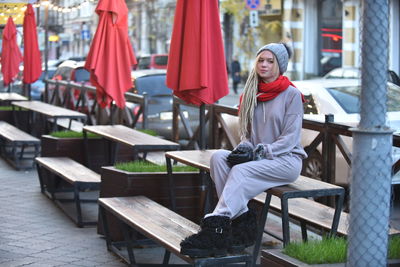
(281, 52)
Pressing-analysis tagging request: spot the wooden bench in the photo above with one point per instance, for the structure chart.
(75, 175)
(14, 143)
(311, 213)
(303, 187)
(159, 224)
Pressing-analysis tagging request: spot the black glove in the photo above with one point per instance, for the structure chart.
(242, 153)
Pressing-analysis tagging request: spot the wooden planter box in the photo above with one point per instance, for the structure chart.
(73, 148)
(275, 258)
(22, 118)
(154, 185)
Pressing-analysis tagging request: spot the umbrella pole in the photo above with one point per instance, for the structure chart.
(29, 91)
(202, 126)
(9, 88)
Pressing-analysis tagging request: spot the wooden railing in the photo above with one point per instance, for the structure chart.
(83, 98)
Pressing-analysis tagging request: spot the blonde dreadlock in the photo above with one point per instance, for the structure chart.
(249, 102)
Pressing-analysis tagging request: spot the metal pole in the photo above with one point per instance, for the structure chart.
(46, 49)
(202, 116)
(372, 144)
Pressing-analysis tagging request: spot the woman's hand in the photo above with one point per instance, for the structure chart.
(242, 153)
(259, 152)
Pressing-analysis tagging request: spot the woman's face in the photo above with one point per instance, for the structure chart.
(267, 67)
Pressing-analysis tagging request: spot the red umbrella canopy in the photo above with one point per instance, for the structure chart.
(32, 61)
(11, 56)
(110, 59)
(196, 63)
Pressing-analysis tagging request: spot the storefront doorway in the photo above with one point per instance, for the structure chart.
(330, 35)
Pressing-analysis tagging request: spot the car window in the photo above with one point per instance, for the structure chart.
(347, 97)
(393, 103)
(81, 75)
(144, 63)
(152, 85)
(50, 74)
(63, 72)
(161, 60)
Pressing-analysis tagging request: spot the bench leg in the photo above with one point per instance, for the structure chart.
(304, 231)
(128, 240)
(260, 229)
(171, 184)
(40, 175)
(106, 231)
(167, 256)
(285, 221)
(78, 206)
(336, 216)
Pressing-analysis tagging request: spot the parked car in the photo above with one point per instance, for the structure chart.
(38, 87)
(341, 97)
(354, 73)
(154, 61)
(73, 71)
(152, 82)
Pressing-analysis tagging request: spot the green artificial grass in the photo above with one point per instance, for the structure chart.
(72, 134)
(330, 250)
(394, 248)
(148, 131)
(6, 108)
(144, 166)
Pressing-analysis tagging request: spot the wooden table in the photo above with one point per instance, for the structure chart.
(9, 97)
(50, 111)
(120, 134)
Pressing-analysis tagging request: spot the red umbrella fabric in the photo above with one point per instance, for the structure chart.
(196, 64)
(111, 58)
(32, 61)
(11, 55)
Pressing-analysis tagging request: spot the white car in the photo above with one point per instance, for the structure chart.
(341, 97)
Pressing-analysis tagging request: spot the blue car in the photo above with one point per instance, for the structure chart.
(37, 88)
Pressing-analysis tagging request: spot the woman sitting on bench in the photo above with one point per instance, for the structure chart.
(269, 155)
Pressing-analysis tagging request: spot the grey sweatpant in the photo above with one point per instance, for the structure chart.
(237, 185)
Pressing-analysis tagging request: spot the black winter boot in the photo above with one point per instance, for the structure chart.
(244, 231)
(212, 240)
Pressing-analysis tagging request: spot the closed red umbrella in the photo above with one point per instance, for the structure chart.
(110, 59)
(196, 64)
(32, 60)
(11, 55)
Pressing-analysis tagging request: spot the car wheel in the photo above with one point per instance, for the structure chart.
(313, 166)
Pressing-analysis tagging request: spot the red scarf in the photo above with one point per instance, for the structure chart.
(268, 91)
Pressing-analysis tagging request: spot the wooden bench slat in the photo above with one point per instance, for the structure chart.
(303, 184)
(69, 169)
(13, 134)
(316, 214)
(153, 220)
(129, 136)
